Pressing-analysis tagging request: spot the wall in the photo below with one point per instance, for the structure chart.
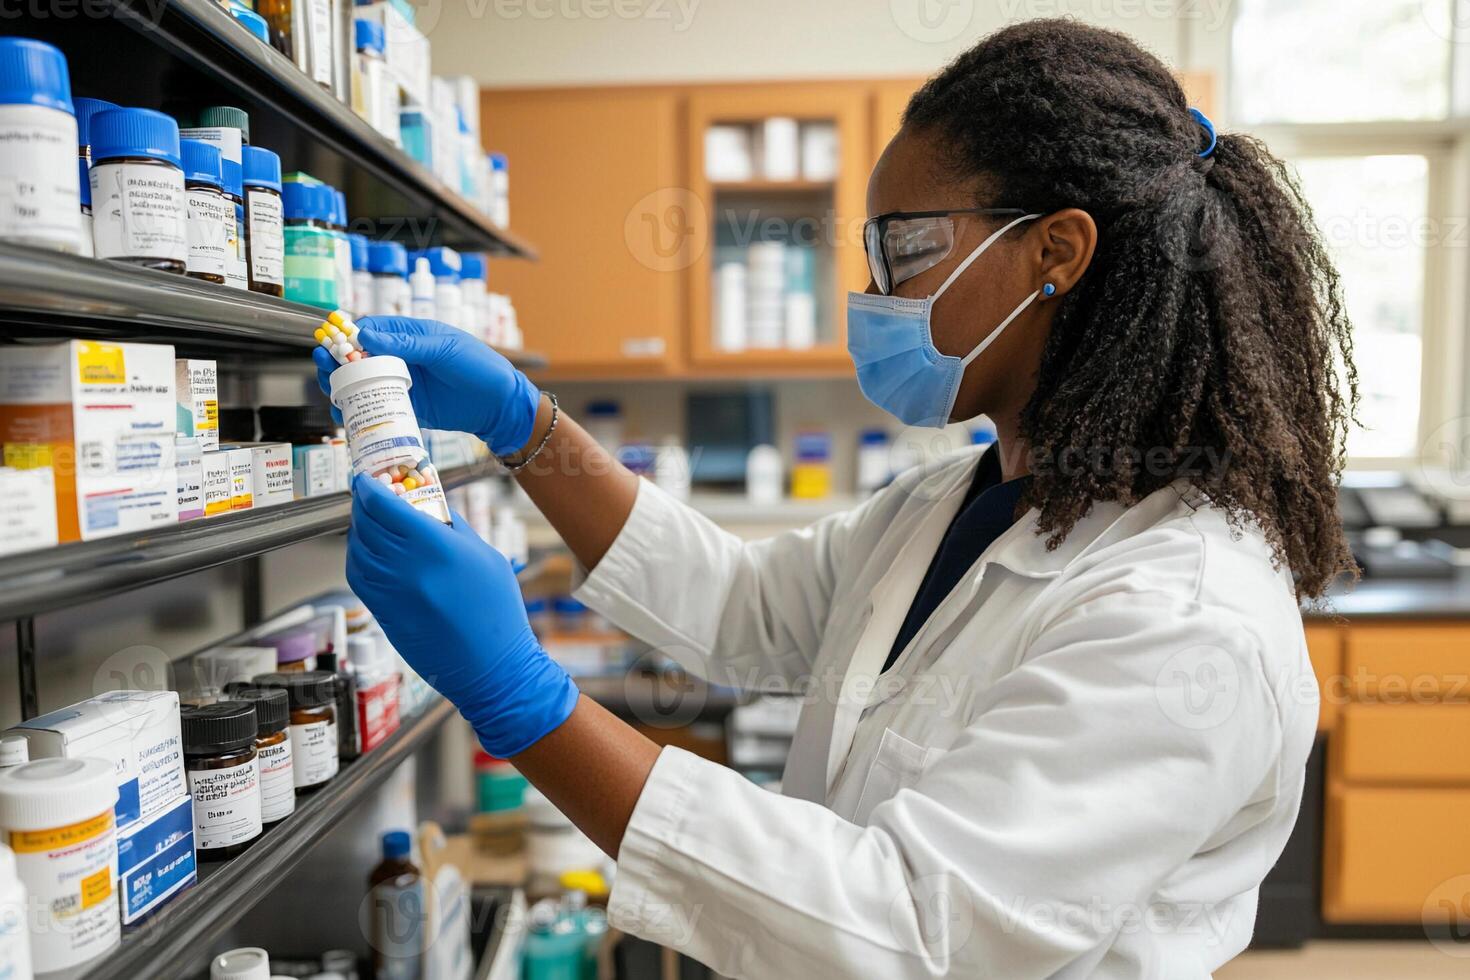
(507, 43)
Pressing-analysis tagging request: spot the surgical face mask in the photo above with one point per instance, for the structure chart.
(898, 367)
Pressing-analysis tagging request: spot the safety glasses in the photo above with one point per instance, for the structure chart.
(902, 244)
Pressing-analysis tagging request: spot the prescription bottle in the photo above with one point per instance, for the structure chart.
(138, 212)
(209, 218)
(388, 263)
(311, 245)
(272, 748)
(234, 190)
(312, 696)
(56, 815)
(362, 279)
(265, 247)
(40, 201)
(15, 939)
(86, 109)
(224, 779)
(246, 963)
(383, 434)
(343, 251)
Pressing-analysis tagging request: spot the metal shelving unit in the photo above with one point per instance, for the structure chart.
(166, 944)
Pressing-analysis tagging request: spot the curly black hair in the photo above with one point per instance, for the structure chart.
(1207, 339)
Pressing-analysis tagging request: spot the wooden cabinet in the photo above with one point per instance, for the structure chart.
(890, 98)
(1324, 646)
(596, 183)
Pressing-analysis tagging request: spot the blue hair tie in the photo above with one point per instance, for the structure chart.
(1209, 127)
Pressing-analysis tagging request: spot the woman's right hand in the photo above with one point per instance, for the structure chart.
(459, 383)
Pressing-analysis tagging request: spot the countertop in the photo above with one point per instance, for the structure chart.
(1444, 598)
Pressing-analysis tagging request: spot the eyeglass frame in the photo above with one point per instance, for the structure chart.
(881, 223)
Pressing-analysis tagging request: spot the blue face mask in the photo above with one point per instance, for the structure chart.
(898, 367)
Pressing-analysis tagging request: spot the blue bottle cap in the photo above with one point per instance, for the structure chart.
(397, 844)
(604, 408)
(873, 437)
(367, 35)
(307, 202)
(339, 208)
(567, 606)
(202, 163)
(359, 245)
(387, 259)
(254, 23)
(86, 109)
(234, 177)
(135, 133)
(499, 161)
(535, 606)
(472, 265)
(86, 184)
(33, 73)
(444, 262)
(261, 167)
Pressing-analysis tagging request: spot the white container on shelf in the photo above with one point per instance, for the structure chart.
(801, 321)
(764, 476)
(671, 469)
(15, 941)
(248, 963)
(730, 306)
(727, 153)
(40, 196)
(780, 149)
(819, 149)
(765, 311)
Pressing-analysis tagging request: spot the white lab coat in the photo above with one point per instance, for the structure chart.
(1082, 765)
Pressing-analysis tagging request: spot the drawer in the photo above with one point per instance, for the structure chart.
(1408, 664)
(1324, 646)
(1403, 744)
(1387, 851)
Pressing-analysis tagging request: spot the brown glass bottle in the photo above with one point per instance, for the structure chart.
(265, 242)
(220, 762)
(104, 167)
(312, 695)
(396, 901)
(204, 188)
(272, 749)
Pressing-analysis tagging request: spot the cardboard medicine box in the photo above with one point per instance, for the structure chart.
(270, 471)
(196, 389)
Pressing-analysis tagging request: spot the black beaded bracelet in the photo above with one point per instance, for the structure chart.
(517, 467)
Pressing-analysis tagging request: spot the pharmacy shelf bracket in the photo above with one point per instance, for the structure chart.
(25, 657)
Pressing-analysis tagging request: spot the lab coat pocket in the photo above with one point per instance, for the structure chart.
(897, 764)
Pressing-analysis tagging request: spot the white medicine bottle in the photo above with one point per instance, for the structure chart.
(138, 202)
(388, 263)
(421, 290)
(40, 197)
(15, 939)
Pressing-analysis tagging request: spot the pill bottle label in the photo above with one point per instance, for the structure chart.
(138, 211)
(211, 219)
(319, 30)
(314, 752)
(40, 200)
(430, 500)
(277, 784)
(311, 266)
(235, 274)
(267, 247)
(381, 428)
(70, 873)
(226, 805)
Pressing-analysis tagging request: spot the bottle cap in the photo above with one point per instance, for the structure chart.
(307, 202)
(226, 116)
(368, 35)
(135, 133)
(499, 161)
(262, 167)
(33, 73)
(604, 408)
(224, 726)
(339, 208)
(565, 604)
(234, 176)
(272, 708)
(254, 23)
(387, 258)
(309, 688)
(86, 109)
(444, 262)
(249, 963)
(54, 793)
(202, 163)
(292, 646)
(14, 750)
(536, 606)
(589, 882)
(327, 661)
(359, 245)
(471, 265)
(375, 368)
(397, 844)
(873, 437)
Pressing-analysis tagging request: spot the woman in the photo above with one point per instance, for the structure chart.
(1056, 701)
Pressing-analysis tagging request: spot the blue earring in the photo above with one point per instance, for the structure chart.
(1048, 290)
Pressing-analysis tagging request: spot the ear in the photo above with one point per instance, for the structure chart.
(1065, 241)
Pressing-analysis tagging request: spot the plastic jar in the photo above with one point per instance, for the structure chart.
(362, 279)
(235, 270)
(472, 293)
(312, 696)
(246, 963)
(311, 245)
(86, 109)
(56, 815)
(209, 217)
(388, 263)
(272, 749)
(15, 939)
(224, 779)
(40, 200)
(382, 431)
(265, 248)
(138, 211)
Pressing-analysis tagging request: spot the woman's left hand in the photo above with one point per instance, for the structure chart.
(451, 606)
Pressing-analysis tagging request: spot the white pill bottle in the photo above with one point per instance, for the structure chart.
(15, 940)
(40, 195)
(382, 431)
(56, 815)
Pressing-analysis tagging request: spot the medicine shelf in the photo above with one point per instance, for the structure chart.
(170, 942)
(71, 295)
(181, 54)
(40, 581)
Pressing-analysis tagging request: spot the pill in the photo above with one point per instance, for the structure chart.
(409, 483)
(320, 334)
(386, 479)
(415, 474)
(338, 317)
(398, 488)
(355, 356)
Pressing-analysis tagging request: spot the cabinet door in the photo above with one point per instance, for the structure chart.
(594, 185)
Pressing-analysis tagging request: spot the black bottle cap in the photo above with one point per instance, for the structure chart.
(272, 708)
(305, 688)
(214, 729)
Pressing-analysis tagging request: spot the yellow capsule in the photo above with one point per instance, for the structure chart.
(409, 483)
(337, 317)
(320, 334)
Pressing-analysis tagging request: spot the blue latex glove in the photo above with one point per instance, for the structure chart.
(452, 608)
(459, 383)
